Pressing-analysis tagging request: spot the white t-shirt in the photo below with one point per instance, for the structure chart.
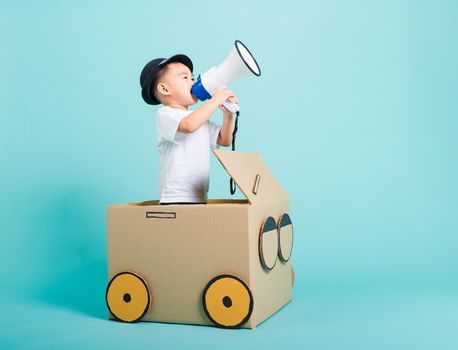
(184, 157)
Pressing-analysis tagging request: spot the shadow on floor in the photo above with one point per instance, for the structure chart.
(81, 290)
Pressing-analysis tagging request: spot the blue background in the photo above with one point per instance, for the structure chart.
(355, 113)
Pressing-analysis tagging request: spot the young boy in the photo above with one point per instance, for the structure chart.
(184, 137)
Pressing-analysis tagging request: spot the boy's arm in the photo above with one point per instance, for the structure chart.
(225, 134)
(197, 118)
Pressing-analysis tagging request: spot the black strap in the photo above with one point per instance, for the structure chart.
(236, 127)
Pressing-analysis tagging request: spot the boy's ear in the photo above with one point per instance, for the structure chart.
(163, 89)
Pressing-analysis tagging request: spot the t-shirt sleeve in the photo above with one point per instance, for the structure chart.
(167, 122)
(214, 132)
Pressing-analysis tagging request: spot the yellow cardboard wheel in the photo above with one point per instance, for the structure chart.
(127, 297)
(227, 301)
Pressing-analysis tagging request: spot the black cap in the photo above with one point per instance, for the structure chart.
(149, 73)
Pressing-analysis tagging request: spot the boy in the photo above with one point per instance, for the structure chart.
(184, 137)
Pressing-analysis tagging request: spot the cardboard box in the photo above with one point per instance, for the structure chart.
(225, 263)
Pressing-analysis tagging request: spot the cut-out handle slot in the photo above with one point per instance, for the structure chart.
(256, 184)
(160, 215)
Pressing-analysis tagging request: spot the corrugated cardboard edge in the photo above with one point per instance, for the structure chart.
(252, 176)
(218, 153)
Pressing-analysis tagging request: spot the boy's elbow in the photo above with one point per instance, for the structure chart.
(228, 141)
(186, 126)
(224, 142)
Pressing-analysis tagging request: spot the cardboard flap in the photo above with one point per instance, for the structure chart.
(252, 176)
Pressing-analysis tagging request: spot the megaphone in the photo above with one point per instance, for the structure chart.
(239, 63)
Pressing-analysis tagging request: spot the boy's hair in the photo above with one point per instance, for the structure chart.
(158, 78)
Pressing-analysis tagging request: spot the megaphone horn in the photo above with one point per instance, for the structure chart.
(239, 63)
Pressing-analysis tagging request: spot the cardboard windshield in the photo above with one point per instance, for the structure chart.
(252, 176)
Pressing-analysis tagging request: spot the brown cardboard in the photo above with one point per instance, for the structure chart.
(178, 249)
(244, 168)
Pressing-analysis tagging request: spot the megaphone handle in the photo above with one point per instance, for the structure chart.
(234, 133)
(232, 107)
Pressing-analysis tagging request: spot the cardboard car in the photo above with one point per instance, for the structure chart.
(224, 263)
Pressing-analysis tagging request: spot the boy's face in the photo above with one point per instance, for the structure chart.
(179, 80)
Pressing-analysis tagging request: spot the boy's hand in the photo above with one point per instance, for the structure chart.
(225, 110)
(196, 119)
(222, 95)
